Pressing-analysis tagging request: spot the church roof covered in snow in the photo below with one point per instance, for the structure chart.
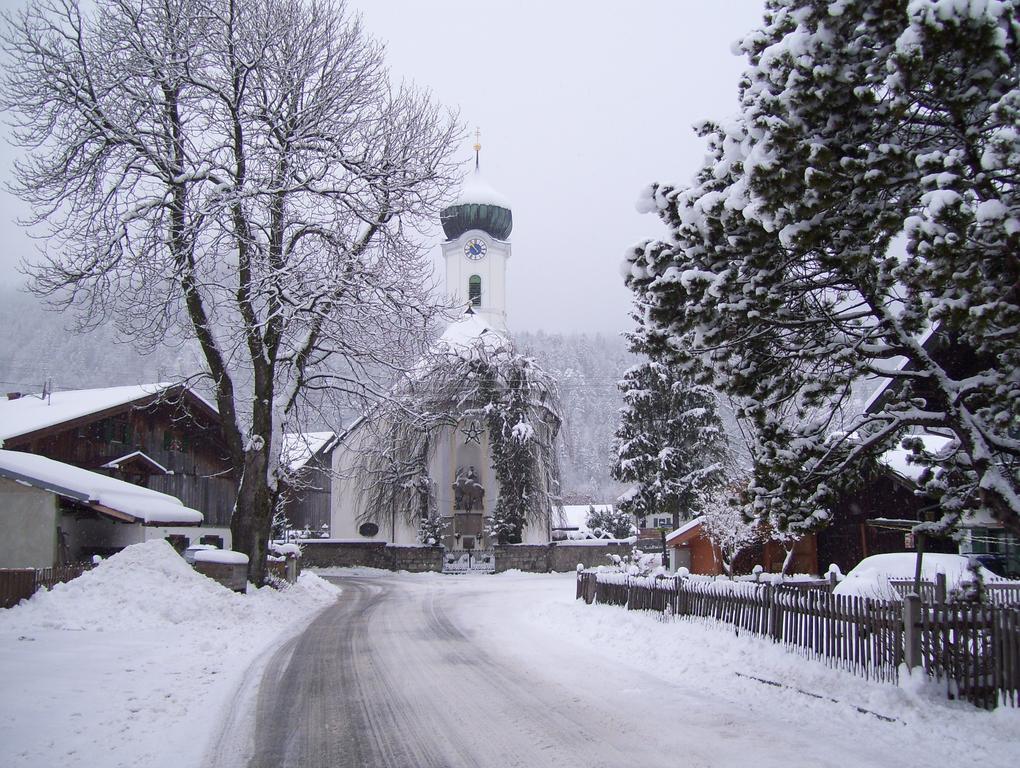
(478, 206)
(299, 447)
(467, 334)
(106, 494)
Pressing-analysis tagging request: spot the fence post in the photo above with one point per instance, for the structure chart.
(912, 631)
(772, 616)
(290, 569)
(940, 588)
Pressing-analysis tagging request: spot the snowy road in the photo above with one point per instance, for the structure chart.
(426, 671)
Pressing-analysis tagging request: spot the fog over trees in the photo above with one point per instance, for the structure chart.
(37, 344)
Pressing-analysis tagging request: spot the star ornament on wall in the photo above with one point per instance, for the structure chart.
(473, 433)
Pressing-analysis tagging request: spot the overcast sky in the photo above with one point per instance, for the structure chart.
(580, 105)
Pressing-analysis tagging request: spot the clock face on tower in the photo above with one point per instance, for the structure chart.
(475, 249)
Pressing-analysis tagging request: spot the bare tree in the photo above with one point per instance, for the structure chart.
(726, 523)
(240, 173)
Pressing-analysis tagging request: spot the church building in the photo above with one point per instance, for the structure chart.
(449, 466)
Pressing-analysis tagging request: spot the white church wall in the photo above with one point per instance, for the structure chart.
(347, 502)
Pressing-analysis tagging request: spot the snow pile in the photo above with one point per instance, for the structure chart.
(145, 586)
(134, 662)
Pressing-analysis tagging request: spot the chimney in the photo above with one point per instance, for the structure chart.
(13, 395)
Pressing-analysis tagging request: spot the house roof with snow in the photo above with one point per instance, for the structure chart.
(300, 447)
(25, 415)
(107, 495)
(898, 459)
(576, 515)
(685, 533)
(465, 334)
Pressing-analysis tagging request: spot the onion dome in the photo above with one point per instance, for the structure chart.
(478, 207)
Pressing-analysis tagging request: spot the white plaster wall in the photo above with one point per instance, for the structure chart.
(192, 533)
(491, 268)
(448, 453)
(28, 526)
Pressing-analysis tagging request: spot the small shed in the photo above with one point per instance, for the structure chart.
(690, 548)
(53, 513)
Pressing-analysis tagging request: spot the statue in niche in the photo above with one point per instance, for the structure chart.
(468, 493)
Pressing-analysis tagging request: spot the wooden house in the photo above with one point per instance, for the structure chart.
(308, 458)
(690, 547)
(161, 436)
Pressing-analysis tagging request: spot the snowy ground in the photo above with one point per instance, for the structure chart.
(699, 662)
(508, 671)
(141, 663)
(133, 663)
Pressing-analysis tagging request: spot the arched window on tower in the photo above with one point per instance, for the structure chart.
(475, 291)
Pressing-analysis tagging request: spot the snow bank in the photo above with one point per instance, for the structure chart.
(134, 662)
(703, 683)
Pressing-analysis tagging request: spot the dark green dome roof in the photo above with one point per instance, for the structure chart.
(491, 219)
(478, 207)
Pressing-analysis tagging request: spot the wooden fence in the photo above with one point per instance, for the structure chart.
(973, 649)
(17, 584)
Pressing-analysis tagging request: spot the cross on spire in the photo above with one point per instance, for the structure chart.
(478, 145)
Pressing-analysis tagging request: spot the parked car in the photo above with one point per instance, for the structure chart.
(870, 577)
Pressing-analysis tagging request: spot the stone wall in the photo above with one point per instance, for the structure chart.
(326, 554)
(416, 559)
(534, 558)
(370, 554)
(565, 556)
(523, 557)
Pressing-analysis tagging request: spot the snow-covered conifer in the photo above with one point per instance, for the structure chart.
(607, 522)
(670, 441)
(859, 219)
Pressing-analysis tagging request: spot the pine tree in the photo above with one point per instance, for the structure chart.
(860, 122)
(670, 442)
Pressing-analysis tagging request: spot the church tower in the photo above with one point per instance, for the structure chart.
(477, 247)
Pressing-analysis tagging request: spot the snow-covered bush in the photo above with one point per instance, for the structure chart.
(606, 522)
(430, 530)
(638, 563)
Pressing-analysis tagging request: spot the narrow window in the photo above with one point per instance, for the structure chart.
(475, 291)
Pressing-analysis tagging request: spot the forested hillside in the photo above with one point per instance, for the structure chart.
(587, 368)
(36, 344)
